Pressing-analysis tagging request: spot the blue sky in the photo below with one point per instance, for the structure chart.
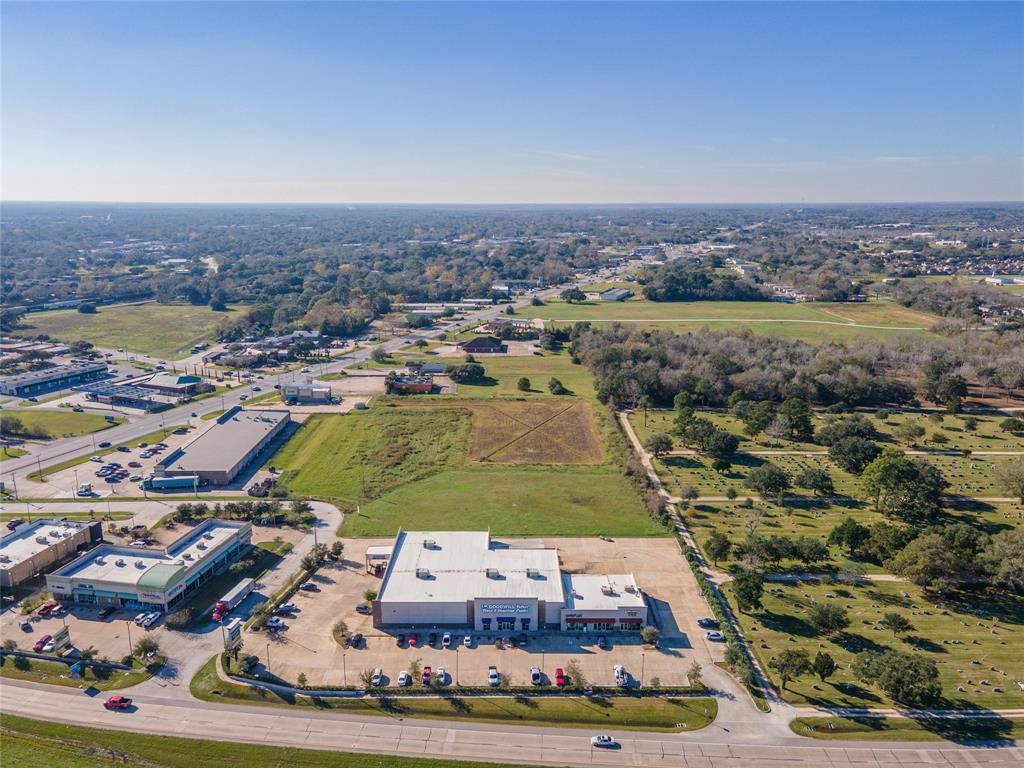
(488, 102)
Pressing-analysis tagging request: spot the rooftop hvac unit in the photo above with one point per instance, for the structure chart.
(606, 589)
(5, 558)
(429, 543)
(532, 573)
(207, 535)
(422, 573)
(139, 564)
(631, 589)
(187, 555)
(492, 573)
(119, 563)
(55, 533)
(200, 545)
(100, 561)
(42, 540)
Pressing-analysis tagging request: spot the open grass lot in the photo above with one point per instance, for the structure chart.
(657, 714)
(534, 500)
(817, 519)
(988, 729)
(811, 321)
(548, 431)
(162, 330)
(987, 436)
(346, 458)
(62, 422)
(36, 744)
(989, 630)
(503, 374)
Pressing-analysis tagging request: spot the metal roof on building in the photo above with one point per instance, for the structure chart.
(223, 446)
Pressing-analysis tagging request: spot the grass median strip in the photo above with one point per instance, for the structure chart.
(638, 713)
(960, 730)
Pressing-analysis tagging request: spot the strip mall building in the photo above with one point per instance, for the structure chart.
(465, 579)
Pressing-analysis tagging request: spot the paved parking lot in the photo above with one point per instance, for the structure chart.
(307, 645)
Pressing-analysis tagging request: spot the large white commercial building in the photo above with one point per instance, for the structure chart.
(149, 578)
(463, 579)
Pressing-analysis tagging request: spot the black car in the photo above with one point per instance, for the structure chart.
(107, 611)
(400, 641)
(522, 640)
(432, 639)
(249, 662)
(356, 641)
(707, 623)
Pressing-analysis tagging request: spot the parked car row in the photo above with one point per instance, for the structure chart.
(147, 619)
(428, 676)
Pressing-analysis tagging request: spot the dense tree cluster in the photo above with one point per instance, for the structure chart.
(682, 281)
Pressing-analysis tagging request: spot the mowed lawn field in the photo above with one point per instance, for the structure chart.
(162, 330)
(811, 321)
(433, 466)
(61, 422)
(975, 643)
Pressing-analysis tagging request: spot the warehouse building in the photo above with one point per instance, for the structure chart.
(51, 379)
(127, 396)
(32, 548)
(464, 579)
(306, 392)
(178, 385)
(219, 454)
(149, 578)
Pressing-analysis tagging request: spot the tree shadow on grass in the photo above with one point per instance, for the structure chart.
(991, 730)
(680, 462)
(854, 643)
(924, 644)
(785, 622)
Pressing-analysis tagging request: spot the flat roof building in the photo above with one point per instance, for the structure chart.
(148, 577)
(31, 548)
(306, 391)
(127, 396)
(224, 450)
(50, 379)
(175, 384)
(466, 579)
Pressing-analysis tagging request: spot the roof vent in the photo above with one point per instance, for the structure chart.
(139, 564)
(422, 573)
(493, 573)
(119, 563)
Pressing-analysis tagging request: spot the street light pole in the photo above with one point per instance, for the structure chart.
(643, 661)
(129, 625)
(268, 657)
(344, 670)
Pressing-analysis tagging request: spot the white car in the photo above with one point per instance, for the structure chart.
(150, 619)
(275, 622)
(717, 637)
(446, 640)
(403, 679)
(493, 678)
(535, 676)
(603, 741)
(467, 641)
(442, 675)
(138, 619)
(48, 648)
(285, 608)
(96, 458)
(620, 675)
(378, 676)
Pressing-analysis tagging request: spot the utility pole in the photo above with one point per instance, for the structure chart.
(129, 625)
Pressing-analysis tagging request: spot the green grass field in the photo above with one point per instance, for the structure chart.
(37, 744)
(163, 330)
(64, 422)
(988, 729)
(11, 452)
(655, 714)
(811, 321)
(408, 467)
(511, 500)
(363, 455)
(990, 633)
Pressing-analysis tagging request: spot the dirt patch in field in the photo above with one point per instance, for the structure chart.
(558, 431)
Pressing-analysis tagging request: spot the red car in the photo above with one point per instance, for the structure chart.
(117, 702)
(560, 678)
(38, 647)
(413, 639)
(427, 671)
(48, 607)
